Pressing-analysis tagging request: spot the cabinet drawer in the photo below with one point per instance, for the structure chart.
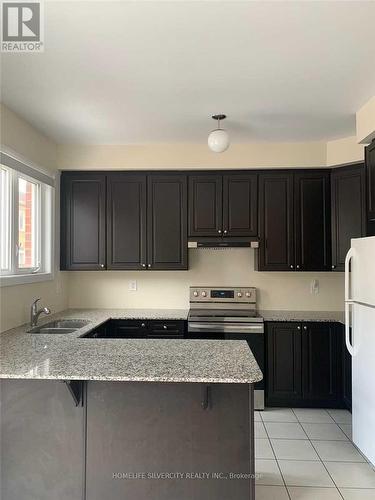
(168, 329)
(122, 329)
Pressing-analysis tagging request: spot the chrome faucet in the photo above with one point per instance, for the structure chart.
(35, 312)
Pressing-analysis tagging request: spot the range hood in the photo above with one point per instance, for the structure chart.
(206, 242)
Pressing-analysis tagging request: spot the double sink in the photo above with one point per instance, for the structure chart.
(60, 326)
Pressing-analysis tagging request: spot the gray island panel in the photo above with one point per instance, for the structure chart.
(42, 442)
(137, 431)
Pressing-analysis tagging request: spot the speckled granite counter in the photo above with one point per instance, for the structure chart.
(330, 316)
(69, 357)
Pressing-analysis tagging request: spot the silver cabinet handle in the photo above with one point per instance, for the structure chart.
(298, 328)
(297, 266)
(333, 267)
(165, 327)
(292, 267)
(143, 265)
(305, 328)
(143, 325)
(102, 265)
(219, 231)
(225, 231)
(149, 265)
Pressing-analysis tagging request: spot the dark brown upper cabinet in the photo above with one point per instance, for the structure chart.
(205, 205)
(138, 223)
(223, 205)
(370, 172)
(126, 221)
(167, 222)
(240, 202)
(83, 221)
(312, 211)
(348, 203)
(276, 222)
(294, 220)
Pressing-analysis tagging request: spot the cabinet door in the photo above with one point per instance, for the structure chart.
(126, 223)
(370, 170)
(205, 205)
(83, 221)
(321, 373)
(240, 205)
(284, 374)
(312, 221)
(348, 210)
(167, 222)
(127, 329)
(276, 252)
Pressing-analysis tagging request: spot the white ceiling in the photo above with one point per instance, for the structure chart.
(143, 72)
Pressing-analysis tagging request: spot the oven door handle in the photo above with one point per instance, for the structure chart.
(225, 327)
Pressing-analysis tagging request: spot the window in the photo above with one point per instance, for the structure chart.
(26, 226)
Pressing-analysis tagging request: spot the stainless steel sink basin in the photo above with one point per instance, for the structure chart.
(60, 326)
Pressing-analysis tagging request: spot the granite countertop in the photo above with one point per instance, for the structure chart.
(70, 357)
(324, 316)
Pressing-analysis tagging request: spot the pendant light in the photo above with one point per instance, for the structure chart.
(218, 139)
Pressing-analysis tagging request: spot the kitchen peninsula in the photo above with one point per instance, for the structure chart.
(125, 418)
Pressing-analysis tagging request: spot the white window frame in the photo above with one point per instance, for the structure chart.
(44, 271)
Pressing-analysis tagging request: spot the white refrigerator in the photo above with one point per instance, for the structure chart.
(360, 317)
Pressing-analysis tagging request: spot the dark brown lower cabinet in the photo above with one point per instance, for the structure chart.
(304, 365)
(283, 346)
(139, 329)
(346, 373)
(321, 363)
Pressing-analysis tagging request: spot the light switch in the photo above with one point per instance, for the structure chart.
(314, 287)
(132, 286)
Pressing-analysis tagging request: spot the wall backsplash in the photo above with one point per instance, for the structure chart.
(229, 267)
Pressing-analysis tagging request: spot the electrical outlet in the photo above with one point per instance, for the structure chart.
(132, 286)
(314, 287)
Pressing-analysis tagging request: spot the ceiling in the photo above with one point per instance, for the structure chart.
(146, 72)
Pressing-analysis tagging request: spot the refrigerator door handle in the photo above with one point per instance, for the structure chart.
(347, 328)
(348, 258)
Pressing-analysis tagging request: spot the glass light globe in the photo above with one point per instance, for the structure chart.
(218, 140)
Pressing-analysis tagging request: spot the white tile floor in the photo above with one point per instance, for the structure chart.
(304, 454)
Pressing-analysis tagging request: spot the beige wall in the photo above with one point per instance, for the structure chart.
(16, 300)
(365, 120)
(20, 137)
(230, 267)
(188, 156)
(343, 151)
(198, 156)
(170, 289)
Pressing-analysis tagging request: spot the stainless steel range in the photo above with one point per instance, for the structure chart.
(226, 313)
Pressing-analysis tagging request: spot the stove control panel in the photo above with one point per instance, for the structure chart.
(223, 294)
